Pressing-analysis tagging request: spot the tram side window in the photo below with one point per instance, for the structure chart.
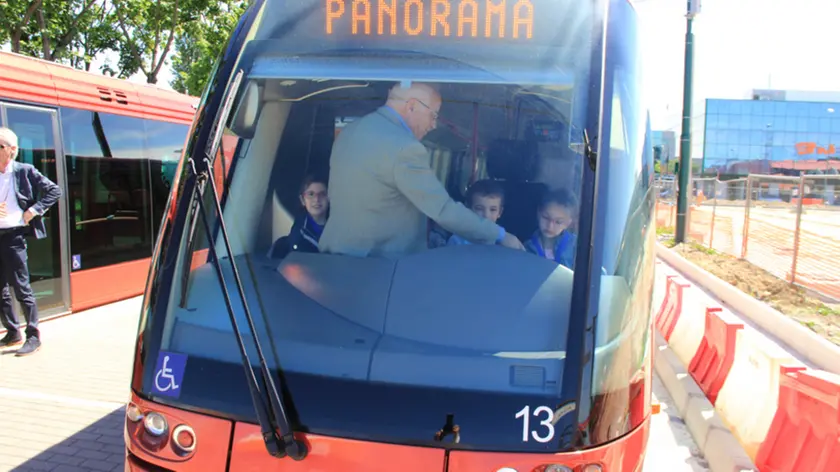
(164, 143)
(108, 189)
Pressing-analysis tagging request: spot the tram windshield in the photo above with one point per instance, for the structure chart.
(378, 288)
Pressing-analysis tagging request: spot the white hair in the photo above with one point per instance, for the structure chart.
(8, 136)
(406, 90)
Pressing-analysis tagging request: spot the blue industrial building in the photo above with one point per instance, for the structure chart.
(774, 132)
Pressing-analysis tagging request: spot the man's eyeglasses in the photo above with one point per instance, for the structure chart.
(434, 113)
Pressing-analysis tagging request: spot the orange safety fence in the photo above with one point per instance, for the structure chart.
(666, 215)
(788, 226)
(816, 263)
(770, 243)
(700, 225)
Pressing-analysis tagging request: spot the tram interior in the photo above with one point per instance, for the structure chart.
(522, 137)
(475, 317)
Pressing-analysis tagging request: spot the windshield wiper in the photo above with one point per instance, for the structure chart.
(191, 240)
(187, 267)
(588, 151)
(271, 412)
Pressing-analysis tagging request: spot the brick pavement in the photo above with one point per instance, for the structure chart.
(62, 408)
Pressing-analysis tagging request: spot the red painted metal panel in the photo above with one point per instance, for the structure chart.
(625, 454)
(26, 79)
(328, 453)
(48, 83)
(94, 287)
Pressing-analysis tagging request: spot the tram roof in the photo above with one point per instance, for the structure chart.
(28, 79)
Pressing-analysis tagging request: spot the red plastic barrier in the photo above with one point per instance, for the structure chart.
(714, 357)
(805, 433)
(669, 312)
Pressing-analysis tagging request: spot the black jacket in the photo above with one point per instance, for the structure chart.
(303, 237)
(36, 192)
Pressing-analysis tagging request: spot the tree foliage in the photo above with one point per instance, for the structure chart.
(67, 31)
(147, 29)
(201, 42)
(132, 35)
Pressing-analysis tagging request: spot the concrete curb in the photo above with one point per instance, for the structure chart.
(817, 350)
(717, 443)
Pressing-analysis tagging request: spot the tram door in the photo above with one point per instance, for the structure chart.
(39, 145)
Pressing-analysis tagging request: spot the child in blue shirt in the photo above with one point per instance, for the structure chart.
(553, 240)
(306, 229)
(486, 198)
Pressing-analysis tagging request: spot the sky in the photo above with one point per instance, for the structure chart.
(739, 45)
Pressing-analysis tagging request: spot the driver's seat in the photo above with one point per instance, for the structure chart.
(514, 164)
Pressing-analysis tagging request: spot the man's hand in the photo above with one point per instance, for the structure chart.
(512, 242)
(28, 215)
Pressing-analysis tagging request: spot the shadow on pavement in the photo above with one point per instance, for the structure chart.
(97, 447)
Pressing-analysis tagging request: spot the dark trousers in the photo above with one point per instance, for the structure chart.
(14, 273)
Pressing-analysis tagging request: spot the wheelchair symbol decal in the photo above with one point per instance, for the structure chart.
(77, 261)
(169, 373)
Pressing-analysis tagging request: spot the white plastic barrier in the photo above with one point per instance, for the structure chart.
(748, 399)
(690, 327)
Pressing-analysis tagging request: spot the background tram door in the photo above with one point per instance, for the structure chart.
(39, 145)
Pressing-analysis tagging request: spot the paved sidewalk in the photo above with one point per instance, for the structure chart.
(62, 408)
(670, 445)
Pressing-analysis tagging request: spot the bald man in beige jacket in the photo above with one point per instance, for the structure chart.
(382, 187)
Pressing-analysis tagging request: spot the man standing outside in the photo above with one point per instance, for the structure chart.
(382, 187)
(25, 195)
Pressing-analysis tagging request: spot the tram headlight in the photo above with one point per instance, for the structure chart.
(133, 413)
(155, 424)
(184, 438)
(558, 468)
(592, 468)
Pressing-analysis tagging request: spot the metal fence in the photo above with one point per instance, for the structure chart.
(788, 226)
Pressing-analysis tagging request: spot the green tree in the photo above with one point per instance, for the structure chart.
(97, 36)
(15, 18)
(53, 30)
(148, 29)
(199, 44)
(58, 23)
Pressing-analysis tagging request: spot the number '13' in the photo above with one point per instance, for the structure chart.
(526, 423)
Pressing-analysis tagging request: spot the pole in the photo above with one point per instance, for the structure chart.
(685, 136)
(798, 228)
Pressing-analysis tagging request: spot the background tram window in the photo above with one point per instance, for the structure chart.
(108, 188)
(36, 146)
(164, 143)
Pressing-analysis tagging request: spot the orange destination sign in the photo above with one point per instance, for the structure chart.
(491, 19)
